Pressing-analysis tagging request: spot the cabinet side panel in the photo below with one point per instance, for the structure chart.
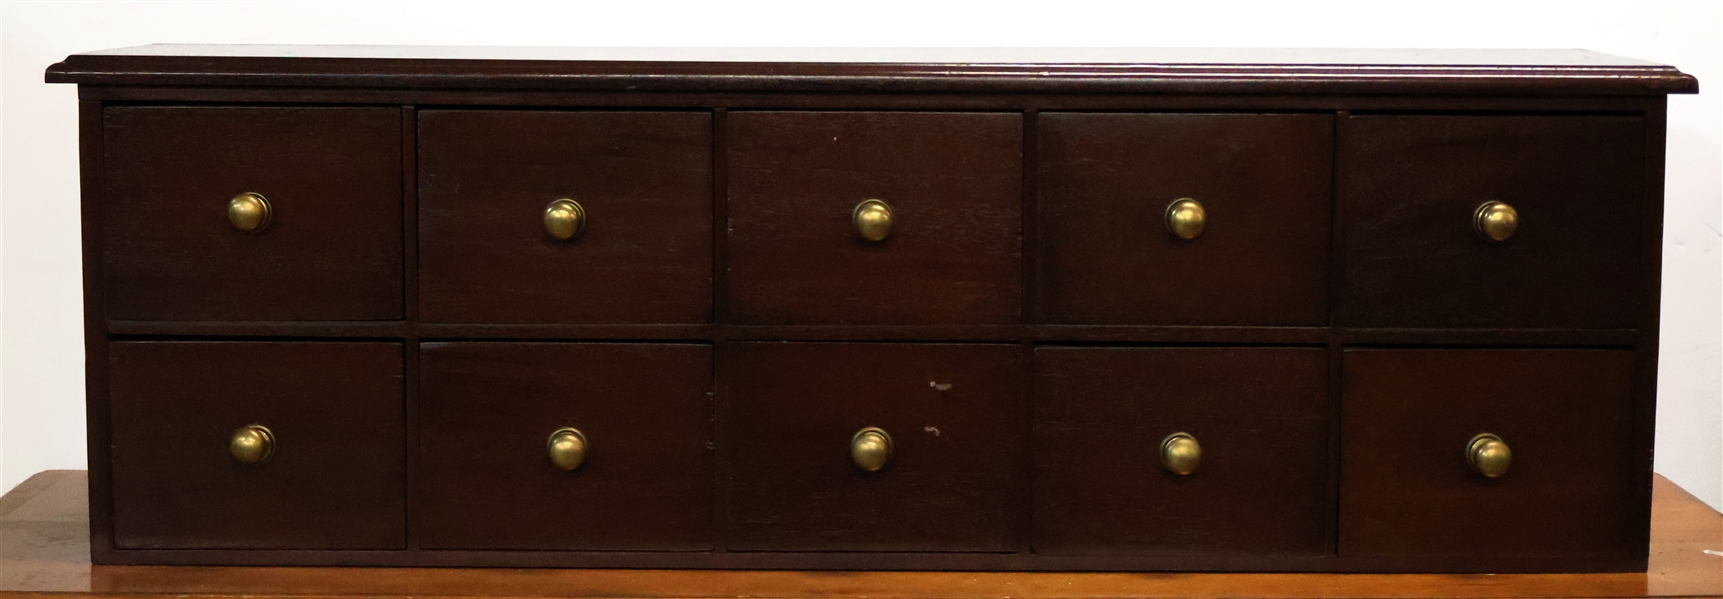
(1645, 360)
(95, 333)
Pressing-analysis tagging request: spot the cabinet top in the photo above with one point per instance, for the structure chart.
(905, 70)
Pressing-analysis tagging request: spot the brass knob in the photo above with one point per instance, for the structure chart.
(1496, 221)
(248, 212)
(567, 448)
(1185, 218)
(1181, 454)
(251, 444)
(564, 219)
(873, 220)
(1489, 455)
(870, 448)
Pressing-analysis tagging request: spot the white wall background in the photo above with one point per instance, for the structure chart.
(41, 373)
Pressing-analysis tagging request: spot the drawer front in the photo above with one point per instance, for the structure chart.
(643, 184)
(1415, 258)
(331, 475)
(489, 479)
(330, 249)
(1408, 488)
(1107, 481)
(953, 480)
(952, 182)
(1108, 254)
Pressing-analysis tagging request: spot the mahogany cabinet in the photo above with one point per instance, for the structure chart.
(338, 170)
(1257, 413)
(1266, 179)
(1569, 490)
(953, 183)
(337, 445)
(951, 481)
(487, 410)
(1136, 310)
(1575, 267)
(647, 175)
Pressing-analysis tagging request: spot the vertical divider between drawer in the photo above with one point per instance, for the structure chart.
(1027, 314)
(720, 317)
(410, 310)
(1336, 349)
(97, 420)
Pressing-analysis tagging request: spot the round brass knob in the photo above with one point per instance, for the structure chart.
(564, 219)
(1185, 218)
(870, 448)
(1489, 455)
(873, 220)
(567, 448)
(1181, 454)
(248, 212)
(1496, 221)
(251, 444)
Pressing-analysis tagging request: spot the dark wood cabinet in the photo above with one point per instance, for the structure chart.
(952, 414)
(1118, 310)
(642, 179)
(1103, 417)
(1564, 414)
(1414, 258)
(951, 180)
(331, 249)
(489, 410)
(1107, 181)
(334, 479)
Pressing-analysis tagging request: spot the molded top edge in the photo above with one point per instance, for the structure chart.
(1061, 70)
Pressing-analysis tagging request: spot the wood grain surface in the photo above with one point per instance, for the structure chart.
(962, 70)
(1406, 489)
(954, 412)
(488, 410)
(721, 259)
(44, 548)
(1260, 415)
(1413, 182)
(644, 179)
(953, 181)
(337, 478)
(1105, 255)
(331, 251)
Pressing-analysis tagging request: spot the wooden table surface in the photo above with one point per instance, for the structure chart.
(44, 547)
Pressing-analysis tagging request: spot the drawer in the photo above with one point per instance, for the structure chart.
(330, 248)
(329, 476)
(953, 479)
(1414, 254)
(952, 250)
(490, 253)
(1110, 478)
(494, 470)
(1108, 187)
(1408, 488)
